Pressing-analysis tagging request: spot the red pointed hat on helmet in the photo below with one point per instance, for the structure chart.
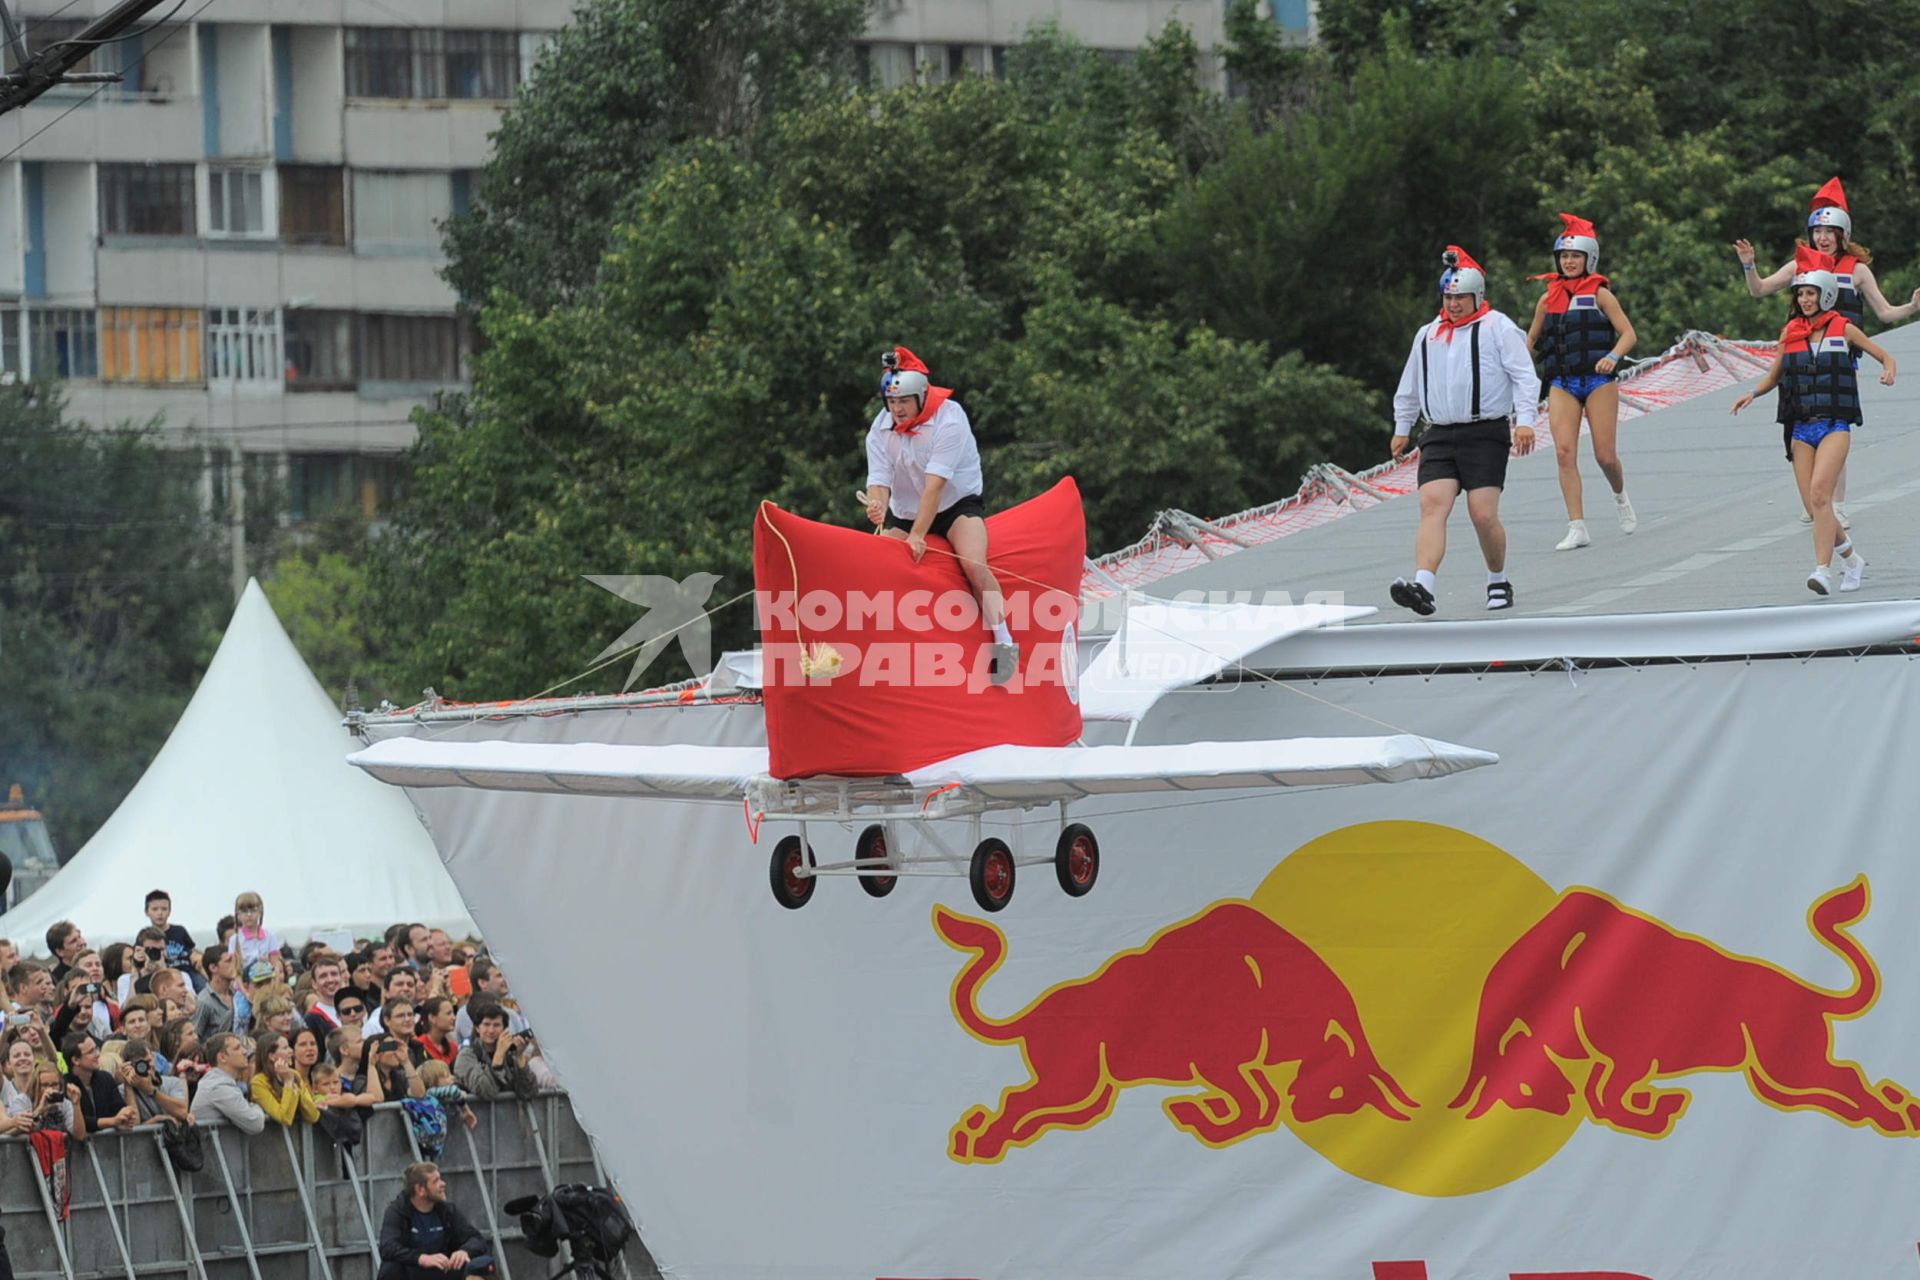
(1461, 258)
(1805, 260)
(914, 364)
(1578, 234)
(1829, 209)
(1833, 195)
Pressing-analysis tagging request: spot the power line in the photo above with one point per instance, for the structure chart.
(189, 21)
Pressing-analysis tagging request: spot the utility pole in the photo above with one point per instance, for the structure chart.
(34, 74)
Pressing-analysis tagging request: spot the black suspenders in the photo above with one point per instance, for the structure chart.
(1426, 402)
(1475, 413)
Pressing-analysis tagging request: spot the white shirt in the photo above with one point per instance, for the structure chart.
(1508, 383)
(941, 446)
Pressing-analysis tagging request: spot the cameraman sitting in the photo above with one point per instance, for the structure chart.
(493, 1061)
(423, 1237)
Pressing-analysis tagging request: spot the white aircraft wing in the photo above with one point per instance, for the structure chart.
(1037, 775)
(570, 768)
(996, 776)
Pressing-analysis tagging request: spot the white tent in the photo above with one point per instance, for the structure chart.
(252, 791)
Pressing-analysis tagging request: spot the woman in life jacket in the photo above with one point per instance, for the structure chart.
(1830, 231)
(1579, 334)
(1818, 377)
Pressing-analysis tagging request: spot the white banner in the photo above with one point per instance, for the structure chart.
(1640, 1001)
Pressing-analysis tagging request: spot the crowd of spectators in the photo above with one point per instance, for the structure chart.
(248, 1031)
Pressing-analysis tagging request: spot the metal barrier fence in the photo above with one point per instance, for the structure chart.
(286, 1204)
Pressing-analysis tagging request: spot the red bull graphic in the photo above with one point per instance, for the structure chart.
(1597, 1003)
(1379, 966)
(1222, 1001)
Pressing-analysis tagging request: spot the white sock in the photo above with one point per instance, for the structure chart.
(1426, 579)
(1496, 576)
(1620, 498)
(1845, 549)
(1001, 635)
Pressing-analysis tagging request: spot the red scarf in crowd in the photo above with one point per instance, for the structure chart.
(1443, 332)
(1800, 329)
(1561, 290)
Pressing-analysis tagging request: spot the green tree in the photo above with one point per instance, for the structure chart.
(319, 592)
(1325, 238)
(624, 83)
(113, 593)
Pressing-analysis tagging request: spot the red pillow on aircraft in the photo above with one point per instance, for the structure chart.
(874, 665)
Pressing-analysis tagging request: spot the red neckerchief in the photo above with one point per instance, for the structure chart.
(1443, 332)
(1801, 329)
(1561, 290)
(936, 397)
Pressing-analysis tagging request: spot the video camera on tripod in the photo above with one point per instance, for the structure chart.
(591, 1221)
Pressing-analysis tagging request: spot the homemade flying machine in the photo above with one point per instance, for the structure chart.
(880, 716)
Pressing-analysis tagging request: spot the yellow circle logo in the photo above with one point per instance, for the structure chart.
(1412, 917)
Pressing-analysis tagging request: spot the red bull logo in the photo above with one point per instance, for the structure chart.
(1389, 965)
(1223, 1002)
(1597, 1003)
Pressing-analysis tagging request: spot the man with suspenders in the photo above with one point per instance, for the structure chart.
(1468, 373)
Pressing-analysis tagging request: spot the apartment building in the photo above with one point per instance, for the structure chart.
(935, 40)
(240, 237)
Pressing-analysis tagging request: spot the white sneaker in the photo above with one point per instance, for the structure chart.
(1628, 521)
(1840, 514)
(1850, 571)
(1806, 516)
(1820, 581)
(1576, 537)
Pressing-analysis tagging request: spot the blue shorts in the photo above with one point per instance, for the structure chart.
(1815, 430)
(1582, 385)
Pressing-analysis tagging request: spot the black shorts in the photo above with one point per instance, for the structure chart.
(967, 506)
(1473, 453)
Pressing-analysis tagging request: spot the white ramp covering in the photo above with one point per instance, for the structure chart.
(1209, 1066)
(1162, 645)
(1042, 774)
(252, 792)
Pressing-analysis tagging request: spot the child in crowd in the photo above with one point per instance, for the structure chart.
(251, 945)
(180, 949)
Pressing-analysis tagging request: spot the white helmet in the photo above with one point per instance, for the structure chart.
(1832, 216)
(896, 381)
(1463, 274)
(1825, 281)
(1580, 237)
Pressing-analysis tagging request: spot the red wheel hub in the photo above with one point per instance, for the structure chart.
(795, 883)
(1080, 860)
(998, 874)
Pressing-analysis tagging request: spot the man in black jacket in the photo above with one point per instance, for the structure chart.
(423, 1237)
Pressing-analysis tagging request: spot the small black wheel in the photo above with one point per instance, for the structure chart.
(791, 889)
(1076, 859)
(992, 874)
(873, 844)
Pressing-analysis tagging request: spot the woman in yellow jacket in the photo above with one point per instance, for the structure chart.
(277, 1087)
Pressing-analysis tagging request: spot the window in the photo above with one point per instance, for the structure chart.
(243, 344)
(400, 210)
(313, 205)
(319, 350)
(340, 484)
(42, 34)
(146, 199)
(150, 344)
(58, 342)
(410, 349)
(236, 202)
(889, 66)
(482, 64)
(395, 62)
